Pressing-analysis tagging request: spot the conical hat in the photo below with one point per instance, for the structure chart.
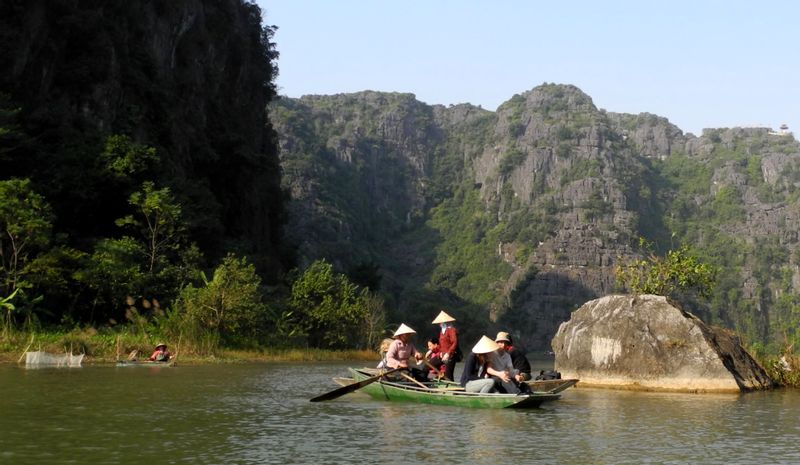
(485, 345)
(403, 329)
(443, 318)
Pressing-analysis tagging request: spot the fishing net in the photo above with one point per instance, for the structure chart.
(37, 359)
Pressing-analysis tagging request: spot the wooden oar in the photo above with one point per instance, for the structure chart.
(435, 370)
(336, 393)
(410, 378)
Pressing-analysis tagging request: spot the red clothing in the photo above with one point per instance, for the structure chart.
(166, 355)
(448, 341)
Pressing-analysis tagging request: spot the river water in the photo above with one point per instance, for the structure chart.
(259, 413)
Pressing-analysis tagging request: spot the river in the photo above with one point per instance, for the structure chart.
(259, 413)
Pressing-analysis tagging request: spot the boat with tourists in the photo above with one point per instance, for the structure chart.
(546, 386)
(436, 392)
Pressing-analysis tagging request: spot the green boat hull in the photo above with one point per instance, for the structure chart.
(401, 391)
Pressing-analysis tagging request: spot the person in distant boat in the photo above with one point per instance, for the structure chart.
(475, 377)
(448, 342)
(401, 350)
(161, 354)
(384, 348)
(434, 358)
(518, 358)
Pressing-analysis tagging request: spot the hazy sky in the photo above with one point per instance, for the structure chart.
(699, 63)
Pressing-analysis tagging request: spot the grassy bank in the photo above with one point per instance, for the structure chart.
(109, 346)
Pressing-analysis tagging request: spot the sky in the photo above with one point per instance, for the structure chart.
(699, 63)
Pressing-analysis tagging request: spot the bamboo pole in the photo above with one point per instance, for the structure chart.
(26, 349)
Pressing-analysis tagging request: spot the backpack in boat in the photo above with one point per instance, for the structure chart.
(549, 374)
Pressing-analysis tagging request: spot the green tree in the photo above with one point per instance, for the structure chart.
(229, 306)
(330, 308)
(25, 229)
(123, 158)
(158, 220)
(112, 273)
(676, 275)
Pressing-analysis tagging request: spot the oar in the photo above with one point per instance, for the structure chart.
(435, 370)
(336, 393)
(410, 378)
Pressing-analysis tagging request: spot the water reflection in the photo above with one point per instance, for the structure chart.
(259, 413)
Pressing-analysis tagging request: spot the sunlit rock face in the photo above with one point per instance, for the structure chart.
(646, 342)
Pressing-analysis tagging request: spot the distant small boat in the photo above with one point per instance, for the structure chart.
(145, 363)
(41, 359)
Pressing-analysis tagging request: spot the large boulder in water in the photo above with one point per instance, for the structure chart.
(646, 342)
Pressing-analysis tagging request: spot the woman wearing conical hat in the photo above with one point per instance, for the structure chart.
(475, 377)
(448, 342)
(401, 349)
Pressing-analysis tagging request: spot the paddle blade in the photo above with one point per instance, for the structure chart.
(336, 393)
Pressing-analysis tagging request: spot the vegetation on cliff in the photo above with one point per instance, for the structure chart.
(524, 214)
(141, 150)
(136, 156)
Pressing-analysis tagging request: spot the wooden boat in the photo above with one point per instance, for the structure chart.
(548, 386)
(437, 394)
(552, 386)
(145, 363)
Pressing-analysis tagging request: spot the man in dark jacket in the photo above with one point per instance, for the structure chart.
(518, 357)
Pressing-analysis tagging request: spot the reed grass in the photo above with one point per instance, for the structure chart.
(102, 346)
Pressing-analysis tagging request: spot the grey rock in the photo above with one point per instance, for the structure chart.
(645, 342)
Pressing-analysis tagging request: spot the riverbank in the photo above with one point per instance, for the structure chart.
(103, 347)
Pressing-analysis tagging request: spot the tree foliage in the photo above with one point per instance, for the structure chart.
(230, 304)
(331, 309)
(677, 274)
(158, 220)
(25, 229)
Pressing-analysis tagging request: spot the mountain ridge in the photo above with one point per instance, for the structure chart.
(552, 192)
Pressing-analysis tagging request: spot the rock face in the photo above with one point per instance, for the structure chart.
(548, 194)
(644, 342)
(191, 79)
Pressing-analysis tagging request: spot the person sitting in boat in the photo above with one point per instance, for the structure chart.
(475, 377)
(518, 358)
(448, 342)
(500, 367)
(384, 348)
(401, 349)
(434, 358)
(161, 354)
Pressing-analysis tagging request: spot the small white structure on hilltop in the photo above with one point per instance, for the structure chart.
(782, 131)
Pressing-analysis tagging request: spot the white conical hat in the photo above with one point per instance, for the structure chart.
(443, 318)
(403, 329)
(485, 345)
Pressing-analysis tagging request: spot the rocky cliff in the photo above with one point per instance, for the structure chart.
(190, 78)
(520, 215)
